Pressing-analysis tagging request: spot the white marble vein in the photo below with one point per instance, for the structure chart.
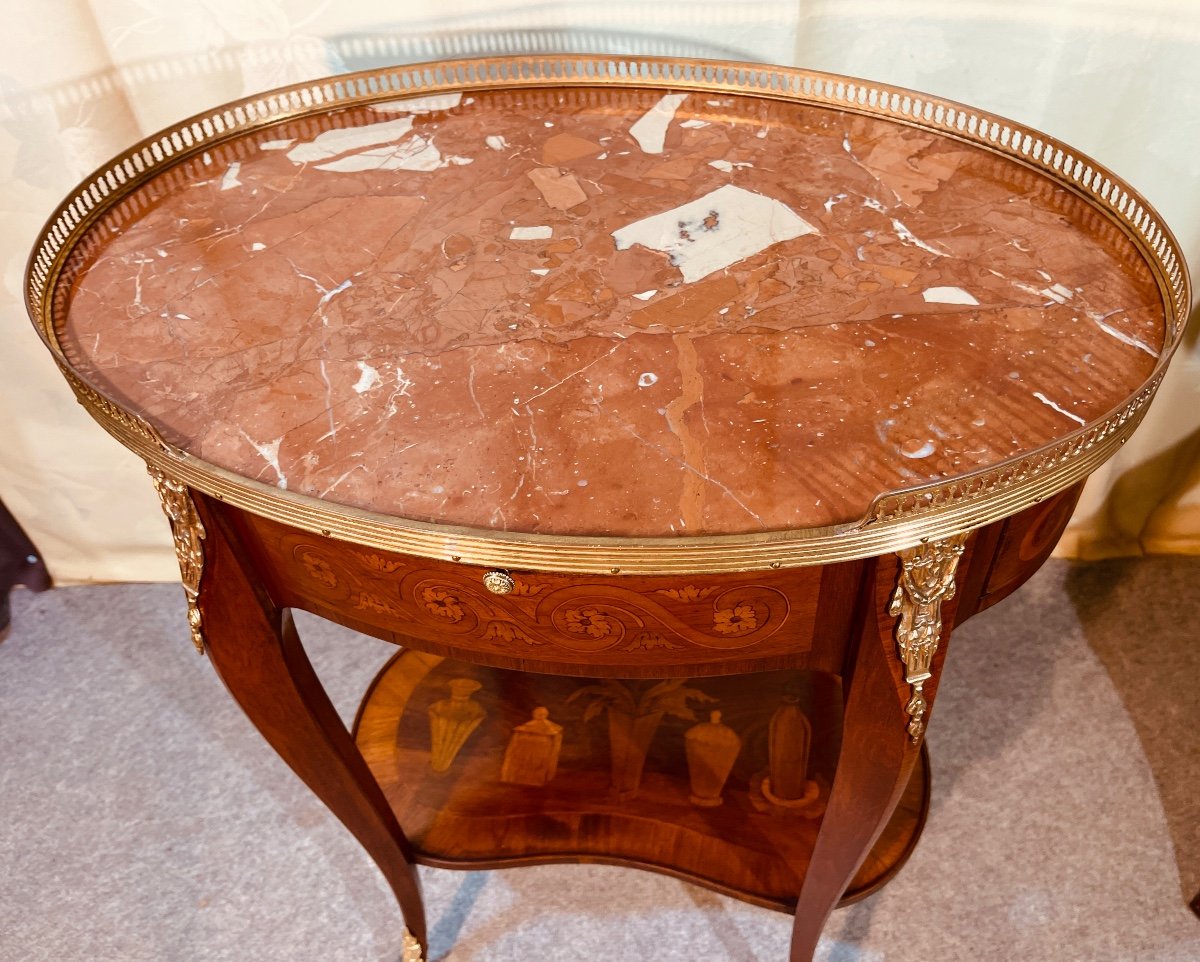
(1121, 336)
(269, 452)
(729, 165)
(416, 153)
(541, 232)
(331, 143)
(650, 130)
(949, 295)
(367, 379)
(230, 180)
(1061, 410)
(908, 237)
(388, 145)
(714, 231)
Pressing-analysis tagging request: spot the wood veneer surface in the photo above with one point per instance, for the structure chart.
(468, 816)
(607, 311)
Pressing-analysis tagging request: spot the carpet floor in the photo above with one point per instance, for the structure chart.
(145, 820)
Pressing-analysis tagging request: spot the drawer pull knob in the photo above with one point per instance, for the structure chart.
(499, 583)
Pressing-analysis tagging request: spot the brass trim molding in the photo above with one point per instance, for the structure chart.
(926, 580)
(897, 520)
(189, 534)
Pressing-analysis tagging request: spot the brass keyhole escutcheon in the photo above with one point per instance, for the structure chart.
(499, 582)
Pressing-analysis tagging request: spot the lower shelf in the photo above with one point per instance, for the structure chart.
(477, 814)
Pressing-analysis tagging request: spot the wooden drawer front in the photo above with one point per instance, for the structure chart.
(578, 618)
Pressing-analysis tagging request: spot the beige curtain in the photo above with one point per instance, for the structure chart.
(81, 79)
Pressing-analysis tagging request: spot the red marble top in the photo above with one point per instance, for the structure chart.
(608, 312)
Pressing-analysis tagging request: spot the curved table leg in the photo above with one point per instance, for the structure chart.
(883, 723)
(257, 653)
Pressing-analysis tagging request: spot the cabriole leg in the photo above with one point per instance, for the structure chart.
(255, 649)
(892, 684)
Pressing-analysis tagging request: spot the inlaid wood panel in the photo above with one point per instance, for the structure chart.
(470, 816)
(632, 626)
(725, 622)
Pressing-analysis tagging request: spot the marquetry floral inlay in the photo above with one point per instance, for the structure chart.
(687, 592)
(589, 621)
(319, 569)
(506, 631)
(377, 562)
(648, 641)
(366, 602)
(737, 620)
(440, 602)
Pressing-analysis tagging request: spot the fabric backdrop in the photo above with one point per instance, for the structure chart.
(82, 79)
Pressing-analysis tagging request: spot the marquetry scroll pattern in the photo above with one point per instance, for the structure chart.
(189, 534)
(926, 580)
(577, 617)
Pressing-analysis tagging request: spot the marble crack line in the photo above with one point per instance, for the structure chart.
(279, 193)
(137, 284)
(266, 248)
(512, 497)
(177, 302)
(332, 432)
(214, 238)
(300, 426)
(471, 390)
(237, 350)
(575, 374)
(327, 294)
(531, 454)
(357, 467)
(866, 170)
(704, 477)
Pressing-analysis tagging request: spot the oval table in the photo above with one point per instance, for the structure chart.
(667, 414)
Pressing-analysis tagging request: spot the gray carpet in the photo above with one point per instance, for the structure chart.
(144, 820)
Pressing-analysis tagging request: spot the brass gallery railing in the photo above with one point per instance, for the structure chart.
(895, 521)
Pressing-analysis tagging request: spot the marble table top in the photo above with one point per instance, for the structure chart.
(608, 311)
